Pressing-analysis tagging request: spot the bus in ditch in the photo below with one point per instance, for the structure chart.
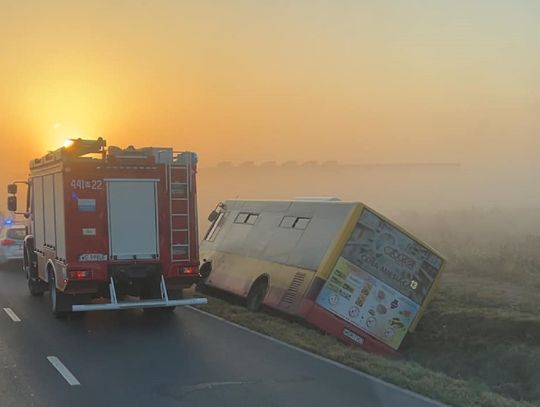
(341, 266)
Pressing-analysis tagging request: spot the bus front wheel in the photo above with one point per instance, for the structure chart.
(256, 295)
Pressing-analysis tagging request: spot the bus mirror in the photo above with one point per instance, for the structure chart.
(12, 203)
(12, 189)
(213, 216)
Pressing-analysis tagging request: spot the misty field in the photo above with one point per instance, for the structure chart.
(484, 323)
(479, 342)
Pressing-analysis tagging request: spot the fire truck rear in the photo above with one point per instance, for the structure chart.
(112, 223)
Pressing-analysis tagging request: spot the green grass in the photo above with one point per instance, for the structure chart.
(484, 329)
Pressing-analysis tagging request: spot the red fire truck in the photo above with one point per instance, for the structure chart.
(111, 223)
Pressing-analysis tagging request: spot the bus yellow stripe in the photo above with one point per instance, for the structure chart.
(333, 253)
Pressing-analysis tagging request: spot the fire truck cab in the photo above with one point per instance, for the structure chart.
(111, 223)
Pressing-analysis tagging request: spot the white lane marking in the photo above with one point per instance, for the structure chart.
(323, 359)
(12, 315)
(63, 370)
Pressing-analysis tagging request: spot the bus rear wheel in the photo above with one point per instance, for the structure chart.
(256, 295)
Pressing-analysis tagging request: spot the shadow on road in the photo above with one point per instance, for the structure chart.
(123, 322)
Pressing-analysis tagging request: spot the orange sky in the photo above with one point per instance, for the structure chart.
(356, 81)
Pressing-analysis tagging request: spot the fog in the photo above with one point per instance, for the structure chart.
(458, 209)
(482, 208)
(373, 91)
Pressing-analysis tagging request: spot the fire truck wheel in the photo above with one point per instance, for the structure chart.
(35, 287)
(59, 306)
(173, 295)
(25, 261)
(256, 295)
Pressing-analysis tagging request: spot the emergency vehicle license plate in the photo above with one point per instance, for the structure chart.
(93, 257)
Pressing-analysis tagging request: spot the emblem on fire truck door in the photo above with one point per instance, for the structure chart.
(86, 205)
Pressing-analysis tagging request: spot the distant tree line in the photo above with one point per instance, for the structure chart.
(329, 164)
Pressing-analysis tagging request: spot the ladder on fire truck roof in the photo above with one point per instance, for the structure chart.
(180, 194)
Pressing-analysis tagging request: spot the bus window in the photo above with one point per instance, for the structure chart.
(301, 223)
(294, 222)
(252, 218)
(241, 217)
(247, 218)
(287, 222)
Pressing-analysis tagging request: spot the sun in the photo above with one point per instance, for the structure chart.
(68, 143)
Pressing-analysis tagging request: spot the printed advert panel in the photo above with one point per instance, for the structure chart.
(368, 303)
(394, 258)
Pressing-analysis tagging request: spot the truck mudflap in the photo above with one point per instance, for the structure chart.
(157, 303)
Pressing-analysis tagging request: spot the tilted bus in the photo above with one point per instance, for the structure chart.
(341, 266)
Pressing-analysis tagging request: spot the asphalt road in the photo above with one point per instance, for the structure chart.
(128, 358)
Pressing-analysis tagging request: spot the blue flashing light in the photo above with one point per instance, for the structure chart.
(8, 222)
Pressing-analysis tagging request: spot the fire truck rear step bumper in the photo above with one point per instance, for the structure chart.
(116, 305)
(137, 304)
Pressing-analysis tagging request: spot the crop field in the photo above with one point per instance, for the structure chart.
(479, 342)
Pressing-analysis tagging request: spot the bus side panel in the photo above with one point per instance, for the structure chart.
(287, 288)
(236, 274)
(232, 273)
